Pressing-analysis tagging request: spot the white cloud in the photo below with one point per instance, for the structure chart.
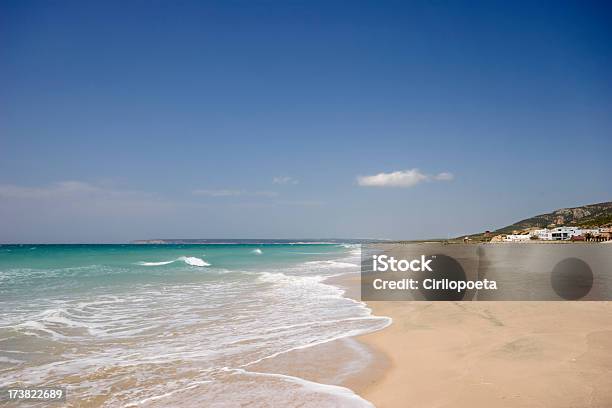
(444, 176)
(234, 193)
(284, 180)
(402, 178)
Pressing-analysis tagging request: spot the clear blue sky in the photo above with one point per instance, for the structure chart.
(127, 120)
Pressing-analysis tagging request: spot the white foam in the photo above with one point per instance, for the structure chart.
(342, 393)
(189, 260)
(193, 261)
(257, 251)
(167, 394)
(385, 321)
(32, 328)
(332, 264)
(7, 360)
(156, 263)
(291, 279)
(200, 326)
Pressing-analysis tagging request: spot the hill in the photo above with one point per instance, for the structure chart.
(592, 215)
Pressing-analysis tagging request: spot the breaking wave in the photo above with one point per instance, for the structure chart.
(189, 260)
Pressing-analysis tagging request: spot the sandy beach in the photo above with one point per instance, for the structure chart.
(493, 354)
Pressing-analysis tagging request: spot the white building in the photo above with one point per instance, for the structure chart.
(563, 233)
(517, 237)
(543, 234)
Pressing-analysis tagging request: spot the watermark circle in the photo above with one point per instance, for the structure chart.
(572, 279)
(445, 270)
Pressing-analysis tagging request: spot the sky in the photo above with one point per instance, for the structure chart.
(298, 119)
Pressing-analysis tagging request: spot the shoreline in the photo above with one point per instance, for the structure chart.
(481, 354)
(345, 362)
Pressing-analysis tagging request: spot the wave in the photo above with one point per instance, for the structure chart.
(257, 251)
(189, 260)
(350, 246)
(159, 327)
(344, 396)
(156, 263)
(279, 277)
(193, 261)
(332, 264)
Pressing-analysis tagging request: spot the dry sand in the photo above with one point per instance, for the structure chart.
(469, 355)
(492, 354)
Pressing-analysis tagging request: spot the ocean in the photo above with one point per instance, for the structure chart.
(174, 325)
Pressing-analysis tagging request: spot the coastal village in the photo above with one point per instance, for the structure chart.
(590, 223)
(563, 233)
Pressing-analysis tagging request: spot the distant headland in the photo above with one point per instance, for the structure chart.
(233, 241)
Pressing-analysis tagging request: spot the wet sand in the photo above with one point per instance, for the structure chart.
(493, 354)
(346, 362)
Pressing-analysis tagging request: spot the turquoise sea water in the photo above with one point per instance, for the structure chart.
(136, 324)
(47, 269)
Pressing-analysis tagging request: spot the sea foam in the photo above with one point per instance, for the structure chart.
(183, 329)
(189, 260)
